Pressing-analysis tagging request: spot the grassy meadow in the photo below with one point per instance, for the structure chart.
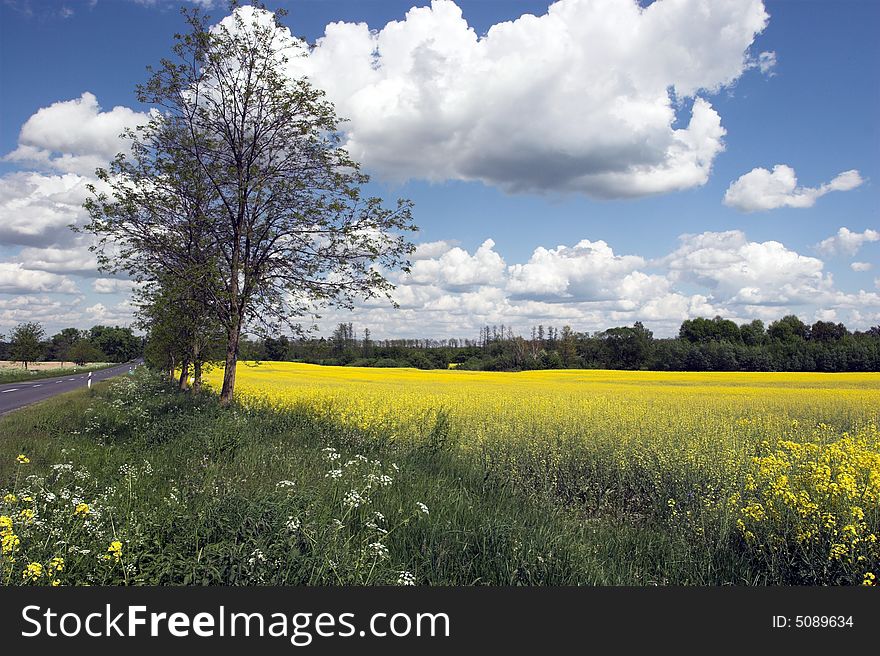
(342, 475)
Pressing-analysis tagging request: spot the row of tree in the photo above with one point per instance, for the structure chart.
(28, 343)
(237, 209)
(718, 344)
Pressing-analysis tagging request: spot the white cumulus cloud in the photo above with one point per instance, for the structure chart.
(861, 266)
(583, 98)
(35, 209)
(760, 189)
(739, 271)
(76, 260)
(74, 136)
(15, 279)
(586, 271)
(457, 268)
(847, 242)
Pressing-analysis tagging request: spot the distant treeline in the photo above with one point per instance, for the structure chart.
(718, 344)
(28, 342)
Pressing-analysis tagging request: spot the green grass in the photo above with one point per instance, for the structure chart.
(199, 494)
(18, 375)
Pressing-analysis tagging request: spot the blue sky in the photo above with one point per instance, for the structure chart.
(809, 103)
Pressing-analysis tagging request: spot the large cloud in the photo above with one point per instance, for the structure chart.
(586, 271)
(15, 279)
(760, 189)
(742, 272)
(457, 268)
(583, 98)
(74, 136)
(76, 260)
(36, 209)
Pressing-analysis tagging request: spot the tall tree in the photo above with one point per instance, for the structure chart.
(182, 329)
(788, 329)
(119, 343)
(83, 351)
(61, 343)
(290, 230)
(567, 347)
(26, 343)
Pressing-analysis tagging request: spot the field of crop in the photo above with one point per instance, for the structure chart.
(13, 372)
(327, 475)
(785, 464)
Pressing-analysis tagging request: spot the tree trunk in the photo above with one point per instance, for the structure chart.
(184, 372)
(231, 360)
(233, 334)
(197, 376)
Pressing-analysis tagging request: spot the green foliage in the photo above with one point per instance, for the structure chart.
(702, 330)
(84, 351)
(25, 343)
(788, 329)
(119, 344)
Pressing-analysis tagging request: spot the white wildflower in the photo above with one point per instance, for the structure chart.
(353, 499)
(330, 454)
(378, 549)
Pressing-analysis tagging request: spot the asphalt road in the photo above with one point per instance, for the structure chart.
(18, 395)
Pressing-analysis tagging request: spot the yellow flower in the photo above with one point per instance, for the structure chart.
(27, 514)
(82, 509)
(9, 543)
(837, 552)
(55, 583)
(869, 579)
(114, 551)
(32, 572)
(5, 523)
(10, 498)
(56, 565)
(23, 459)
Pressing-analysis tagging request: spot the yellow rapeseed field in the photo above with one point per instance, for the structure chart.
(790, 462)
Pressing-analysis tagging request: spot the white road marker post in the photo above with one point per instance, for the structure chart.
(89, 384)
